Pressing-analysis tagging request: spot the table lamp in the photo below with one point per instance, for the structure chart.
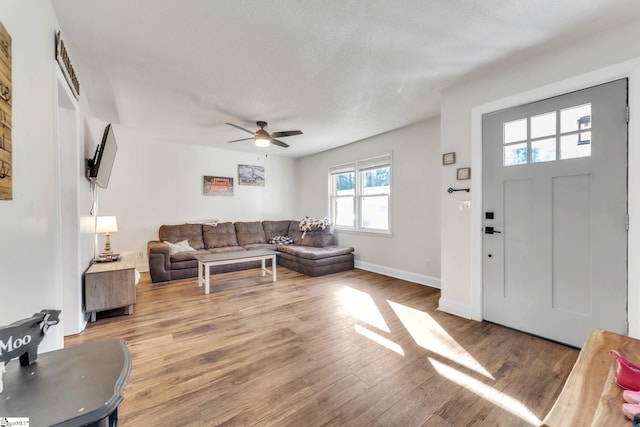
(106, 225)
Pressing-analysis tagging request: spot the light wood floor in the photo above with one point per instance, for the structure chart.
(352, 348)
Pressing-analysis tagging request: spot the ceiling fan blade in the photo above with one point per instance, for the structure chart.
(238, 140)
(241, 128)
(279, 143)
(286, 133)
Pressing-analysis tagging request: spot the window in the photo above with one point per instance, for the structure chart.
(539, 138)
(360, 195)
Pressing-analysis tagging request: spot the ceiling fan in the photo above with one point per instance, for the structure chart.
(262, 138)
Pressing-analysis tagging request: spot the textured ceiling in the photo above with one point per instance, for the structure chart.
(339, 70)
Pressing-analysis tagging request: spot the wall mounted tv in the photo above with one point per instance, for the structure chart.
(99, 168)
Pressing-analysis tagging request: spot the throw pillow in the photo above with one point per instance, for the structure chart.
(182, 246)
(281, 240)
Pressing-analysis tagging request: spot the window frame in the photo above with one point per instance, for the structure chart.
(358, 168)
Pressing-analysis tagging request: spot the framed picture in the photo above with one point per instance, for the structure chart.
(448, 158)
(464, 173)
(251, 175)
(217, 186)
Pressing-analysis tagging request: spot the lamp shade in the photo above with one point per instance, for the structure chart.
(106, 224)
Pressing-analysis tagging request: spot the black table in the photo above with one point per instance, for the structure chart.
(74, 386)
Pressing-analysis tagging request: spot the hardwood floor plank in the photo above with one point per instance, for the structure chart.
(353, 348)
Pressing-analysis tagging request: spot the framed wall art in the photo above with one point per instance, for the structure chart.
(217, 186)
(463, 173)
(448, 158)
(251, 175)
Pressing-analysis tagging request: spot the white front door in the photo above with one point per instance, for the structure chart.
(555, 214)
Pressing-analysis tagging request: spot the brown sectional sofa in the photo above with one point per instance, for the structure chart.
(315, 254)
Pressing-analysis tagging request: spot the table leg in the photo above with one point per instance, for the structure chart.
(264, 267)
(199, 274)
(273, 267)
(207, 274)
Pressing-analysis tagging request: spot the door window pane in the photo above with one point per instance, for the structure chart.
(543, 125)
(543, 150)
(576, 145)
(575, 118)
(515, 131)
(515, 154)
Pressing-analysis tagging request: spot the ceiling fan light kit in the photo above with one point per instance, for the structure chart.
(262, 138)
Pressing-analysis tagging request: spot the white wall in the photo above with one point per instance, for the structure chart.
(30, 256)
(412, 252)
(602, 57)
(155, 182)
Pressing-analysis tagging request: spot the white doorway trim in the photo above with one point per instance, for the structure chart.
(67, 141)
(629, 69)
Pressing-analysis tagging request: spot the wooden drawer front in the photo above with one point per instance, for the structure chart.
(109, 289)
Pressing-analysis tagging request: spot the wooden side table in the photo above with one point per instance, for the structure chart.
(75, 386)
(590, 396)
(109, 285)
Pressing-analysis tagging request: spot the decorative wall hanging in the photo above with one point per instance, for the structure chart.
(6, 148)
(62, 57)
(251, 175)
(464, 173)
(218, 186)
(448, 158)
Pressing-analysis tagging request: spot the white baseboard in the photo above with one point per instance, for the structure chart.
(457, 309)
(421, 279)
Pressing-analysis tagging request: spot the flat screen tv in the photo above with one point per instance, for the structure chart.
(99, 168)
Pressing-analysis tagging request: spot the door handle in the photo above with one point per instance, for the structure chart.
(491, 230)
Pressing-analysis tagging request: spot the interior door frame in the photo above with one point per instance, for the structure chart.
(628, 69)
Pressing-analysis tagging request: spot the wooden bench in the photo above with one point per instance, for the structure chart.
(590, 396)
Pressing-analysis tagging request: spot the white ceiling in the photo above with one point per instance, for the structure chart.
(339, 70)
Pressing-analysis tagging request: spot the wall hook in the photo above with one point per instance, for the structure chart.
(451, 190)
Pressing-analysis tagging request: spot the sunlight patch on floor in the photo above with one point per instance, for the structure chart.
(362, 306)
(487, 392)
(428, 334)
(379, 339)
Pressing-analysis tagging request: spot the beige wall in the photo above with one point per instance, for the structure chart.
(34, 263)
(160, 182)
(602, 57)
(412, 252)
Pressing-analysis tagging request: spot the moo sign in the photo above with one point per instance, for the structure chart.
(21, 338)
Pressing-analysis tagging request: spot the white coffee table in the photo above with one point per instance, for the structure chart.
(208, 260)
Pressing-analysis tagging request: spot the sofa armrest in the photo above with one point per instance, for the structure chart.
(159, 256)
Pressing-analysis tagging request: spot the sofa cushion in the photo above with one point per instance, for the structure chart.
(275, 228)
(220, 236)
(182, 246)
(294, 232)
(318, 238)
(250, 232)
(310, 252)
(177, 233)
